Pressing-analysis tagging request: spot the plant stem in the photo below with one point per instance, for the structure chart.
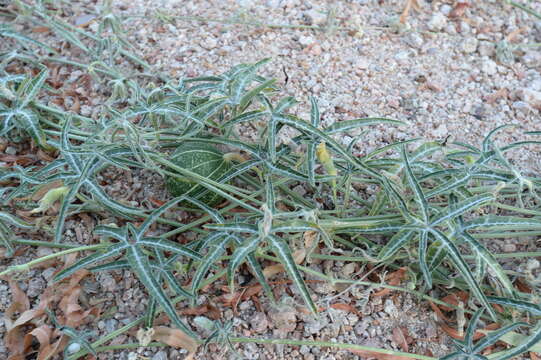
(527, 9)
(467, 257)
(45, 244)
(28, 265)
(329, 344)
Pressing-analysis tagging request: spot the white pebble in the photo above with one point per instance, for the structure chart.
(437, 22)
(489, 67)
(469, 45)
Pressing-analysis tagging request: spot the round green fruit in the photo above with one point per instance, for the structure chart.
(202, 159)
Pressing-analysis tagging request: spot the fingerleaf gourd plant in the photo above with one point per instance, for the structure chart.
(255, 198)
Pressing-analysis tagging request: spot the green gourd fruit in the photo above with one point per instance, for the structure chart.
(203, 159)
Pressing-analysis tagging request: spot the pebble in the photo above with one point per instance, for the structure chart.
(489, 67)
(532, 264)
(35, 286)
(284, 318)
(306, 40)
(300, 190)
(316, 17)
(440, 131)
(509, 248)
(414, 39)
(402, 56)
(209, 43)
(348, 269)
(259, 322)
(437, 22)
(446, 9)
(532, 97)
(10, 150)
(251, 351)
(390, 308)
(314, 325)
(362, 63)
(469, 45)
(486, 48)
(532, 58)
(160, 355)
(522, 107)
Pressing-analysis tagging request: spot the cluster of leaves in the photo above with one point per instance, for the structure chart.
(435, 202)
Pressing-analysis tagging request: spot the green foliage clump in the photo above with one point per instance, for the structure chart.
(434, 203)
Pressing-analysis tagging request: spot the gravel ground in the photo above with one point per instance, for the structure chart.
(445, 75)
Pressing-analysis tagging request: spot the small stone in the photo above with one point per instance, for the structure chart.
(300, 190)
(522, 107)
(414, 39)
(489, 67)
(314, 325)
(532, 97)
(48, 273)
(284, 318)
(360, 327)
(362, 63)
(304, 350)
(251, 351)
(348, 269)
(431, 331)
(397, 26)
(259, 322)
(160, 355)
(446, 9)
(437, 22)
(509, 248)
(10, 150)
(245, 305)
(532, 58)
(274, 3)
(110, 325)
(402, 56)
(306, 40)
(390, 308)
(440, 131)
(316, 17)
(486, 48)
(35, 286)
(209, 43)
(532, 264)
(469, 45)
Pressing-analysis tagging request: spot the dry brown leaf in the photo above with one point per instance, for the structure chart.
(43, 333)
(522, 286)
(176, 338)
(535, 356)
(455, 334)
(439, 313)
(298, 257)
(455, 299)
(346, 307)
(394, 279)
(49, 351)
(14, 338)
(41, 29)
(208, 310)
(399, 337)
